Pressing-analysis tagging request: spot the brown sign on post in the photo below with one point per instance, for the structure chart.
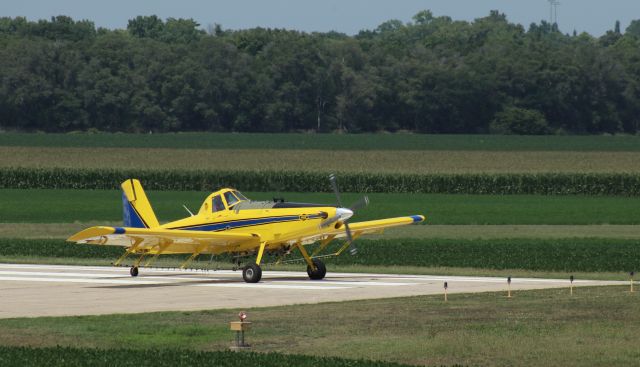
(240, 327)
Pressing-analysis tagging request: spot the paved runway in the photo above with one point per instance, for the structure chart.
(60, 290)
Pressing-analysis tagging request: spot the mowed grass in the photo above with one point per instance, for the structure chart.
(68, 206)
(373, 161)
(328, 142)
(534, 328)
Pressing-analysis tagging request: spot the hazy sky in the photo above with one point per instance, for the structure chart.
(348, 16)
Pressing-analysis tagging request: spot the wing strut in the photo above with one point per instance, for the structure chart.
(129, 251)
(323, 244)
(161, 249)
(193, 256)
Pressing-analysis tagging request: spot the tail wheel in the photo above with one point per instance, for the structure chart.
(320, 271)
(252, 273)
(133, 271)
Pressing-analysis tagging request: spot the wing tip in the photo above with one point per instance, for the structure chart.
(417, 218)
(92, 232)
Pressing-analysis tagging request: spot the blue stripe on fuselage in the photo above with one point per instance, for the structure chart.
(245, 223)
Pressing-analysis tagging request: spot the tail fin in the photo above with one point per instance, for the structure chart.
(136, 209)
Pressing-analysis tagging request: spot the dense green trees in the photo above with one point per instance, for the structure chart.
(433, 75)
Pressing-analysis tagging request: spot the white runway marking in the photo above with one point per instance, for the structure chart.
(92, 277)
(60, 274)
(29, 290)
(268, 286)
(71, 280)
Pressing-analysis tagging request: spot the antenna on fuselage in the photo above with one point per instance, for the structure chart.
(187, 209)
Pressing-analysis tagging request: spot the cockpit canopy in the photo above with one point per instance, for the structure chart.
(224, 199)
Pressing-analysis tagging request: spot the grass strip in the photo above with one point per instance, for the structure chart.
(594, 326)
(560, 255)
(105, 206)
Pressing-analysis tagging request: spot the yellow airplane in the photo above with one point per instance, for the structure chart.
(228, 222)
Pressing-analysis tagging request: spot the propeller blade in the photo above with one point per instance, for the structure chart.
(329, 221)
(334, 185)
(352, 248)
(360, 204)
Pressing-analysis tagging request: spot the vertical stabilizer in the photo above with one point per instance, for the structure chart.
(136, 209)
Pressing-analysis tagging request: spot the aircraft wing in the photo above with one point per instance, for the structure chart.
(375, 226)
(173, 240)
(357, 229)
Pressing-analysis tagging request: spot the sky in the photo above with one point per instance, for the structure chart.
(346, 16)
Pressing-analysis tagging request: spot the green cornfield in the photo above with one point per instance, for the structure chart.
(542, 184)
(66, 356)
(579, 254)
(202, 140)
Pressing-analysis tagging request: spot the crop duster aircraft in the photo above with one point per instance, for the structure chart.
(228, 222)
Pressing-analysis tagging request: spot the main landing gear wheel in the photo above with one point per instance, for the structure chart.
(252, 273)
(320, 271)
(133, 271)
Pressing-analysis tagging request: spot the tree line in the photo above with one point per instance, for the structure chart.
(431, 75)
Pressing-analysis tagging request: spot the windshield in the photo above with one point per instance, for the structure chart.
(230, 198)
(239, 195)
(217, 204)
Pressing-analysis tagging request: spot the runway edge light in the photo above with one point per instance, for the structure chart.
(509, 287)
(631, 274)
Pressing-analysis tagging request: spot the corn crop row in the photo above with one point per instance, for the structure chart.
(495, 184)
(572, 254)
(65, 356)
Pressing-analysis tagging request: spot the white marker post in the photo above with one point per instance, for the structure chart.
(571, 286)
(509, 287)
(445, 291)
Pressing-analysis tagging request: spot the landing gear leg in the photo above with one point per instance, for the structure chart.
(315, 268)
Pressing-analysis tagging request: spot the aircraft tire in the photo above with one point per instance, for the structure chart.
(320, 271)
(252, 273)
(133, 271)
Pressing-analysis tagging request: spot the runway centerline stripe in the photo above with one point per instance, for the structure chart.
(72, 280)
(269, 286)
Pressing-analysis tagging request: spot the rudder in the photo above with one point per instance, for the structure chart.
(136, 209)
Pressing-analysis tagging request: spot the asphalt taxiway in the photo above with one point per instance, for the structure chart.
(61, 290)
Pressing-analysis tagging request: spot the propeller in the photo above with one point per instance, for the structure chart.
(342, 212)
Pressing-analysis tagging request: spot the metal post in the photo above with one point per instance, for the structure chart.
(571, 286)
(445, 291)
(239, 327)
